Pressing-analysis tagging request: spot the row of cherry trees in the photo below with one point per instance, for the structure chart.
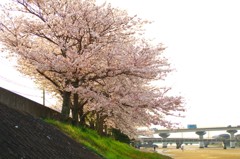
(95, 57)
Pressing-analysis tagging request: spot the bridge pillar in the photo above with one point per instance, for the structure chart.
(178, 144)
(224, 142)
(164, 136)
(232, 139)
(206, 143)
(164, 145)
(201, 142)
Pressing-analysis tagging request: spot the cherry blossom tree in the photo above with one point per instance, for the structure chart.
(94, 56)
(134, 104)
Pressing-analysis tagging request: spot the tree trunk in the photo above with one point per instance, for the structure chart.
(105, 129)
(100, 124)
(65, 105)
(75, 119)
(92, 125)
(91, 119)
(81, 114)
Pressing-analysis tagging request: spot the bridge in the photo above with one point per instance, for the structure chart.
(150, 142)
(164, 133)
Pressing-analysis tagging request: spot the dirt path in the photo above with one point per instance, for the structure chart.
(206, 153)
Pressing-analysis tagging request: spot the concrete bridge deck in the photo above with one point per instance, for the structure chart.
(197, 129)
(172, 140)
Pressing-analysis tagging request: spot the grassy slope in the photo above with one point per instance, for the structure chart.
(106, 147)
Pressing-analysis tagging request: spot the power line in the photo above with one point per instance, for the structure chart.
(28, 95)
(25, 94)
(13, 82)
(10, 81)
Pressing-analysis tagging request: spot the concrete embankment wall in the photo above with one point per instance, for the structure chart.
(25, 105)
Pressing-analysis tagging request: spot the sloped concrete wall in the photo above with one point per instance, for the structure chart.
(25, 105)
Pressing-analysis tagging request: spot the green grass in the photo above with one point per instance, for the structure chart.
(105, 147)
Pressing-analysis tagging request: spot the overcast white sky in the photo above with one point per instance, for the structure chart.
(203, 45)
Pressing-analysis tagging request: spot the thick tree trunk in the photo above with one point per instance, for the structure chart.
(75, 120)
(65, 105)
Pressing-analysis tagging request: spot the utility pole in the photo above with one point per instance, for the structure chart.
(43, 97)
